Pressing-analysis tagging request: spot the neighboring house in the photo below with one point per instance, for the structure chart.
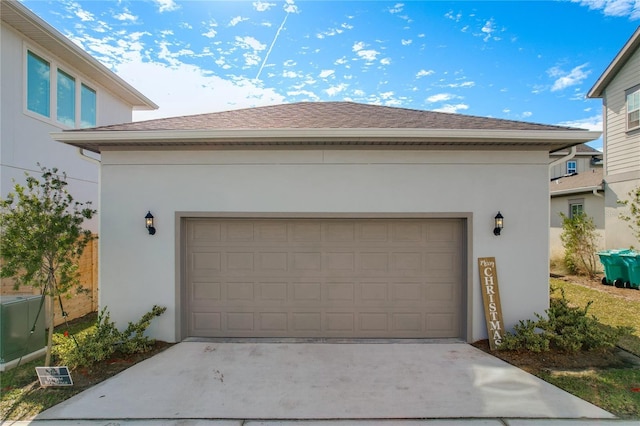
(584, 160)
(576, 187)
(570, 195)
(49, 84)
(324, 220)
(619, 88)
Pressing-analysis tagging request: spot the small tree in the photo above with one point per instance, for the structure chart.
(41, 237)
(633, 218)
(580, 243)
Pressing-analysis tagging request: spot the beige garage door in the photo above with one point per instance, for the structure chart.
(353, 278)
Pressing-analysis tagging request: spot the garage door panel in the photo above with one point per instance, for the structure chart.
(323, 278)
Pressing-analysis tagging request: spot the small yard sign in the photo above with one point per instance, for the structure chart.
(54, 376)
(491, 299)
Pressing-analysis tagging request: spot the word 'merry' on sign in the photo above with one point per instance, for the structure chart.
(491, 299)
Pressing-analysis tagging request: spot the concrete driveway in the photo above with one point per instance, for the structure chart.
(321, 381)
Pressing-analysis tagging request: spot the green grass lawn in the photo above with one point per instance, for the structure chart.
(610, 310)
(21, 396)
(616, 390)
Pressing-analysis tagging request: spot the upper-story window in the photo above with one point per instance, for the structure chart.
(66, 99)
(50, 88)
(572, 167)
(38, 85)
(88, 106)
(633, 108)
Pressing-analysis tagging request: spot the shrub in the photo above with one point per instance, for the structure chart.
(101, 341)
(565, 328)
(580, 243)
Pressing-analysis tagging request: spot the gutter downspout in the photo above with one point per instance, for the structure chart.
(569, 156)
(84, 156)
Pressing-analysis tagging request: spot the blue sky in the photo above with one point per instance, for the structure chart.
(520, 60)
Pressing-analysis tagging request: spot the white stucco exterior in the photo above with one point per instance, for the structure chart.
(139, 270)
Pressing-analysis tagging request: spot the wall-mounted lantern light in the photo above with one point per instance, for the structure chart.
(499, 224)
(148, 222)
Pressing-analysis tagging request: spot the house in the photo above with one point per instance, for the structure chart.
(619, 88)
(325, 220)
(49, 84)
(576, 186)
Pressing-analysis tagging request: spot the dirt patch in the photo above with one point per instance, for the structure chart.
(535, 363)
(85, 377)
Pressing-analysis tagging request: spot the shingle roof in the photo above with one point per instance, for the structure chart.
(328, 115)
(581, 182)
(327, 124)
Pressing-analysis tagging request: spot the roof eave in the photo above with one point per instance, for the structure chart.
(618, 62)
(71, 53)
(550, 140)
(581, 190)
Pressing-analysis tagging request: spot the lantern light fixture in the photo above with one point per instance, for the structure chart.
(148, 222)
(499, 224)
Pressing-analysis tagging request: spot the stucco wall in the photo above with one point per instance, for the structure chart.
(138, 270)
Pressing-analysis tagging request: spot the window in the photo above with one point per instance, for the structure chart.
(38, 85)
(87, 106)
(633, 109)
(66, 100)
(572, 167)
(576, 207)
(43, 78)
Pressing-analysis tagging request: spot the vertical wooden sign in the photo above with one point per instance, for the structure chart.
(491, 299)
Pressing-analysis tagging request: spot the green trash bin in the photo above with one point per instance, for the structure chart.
(632, 261)
(615, 269)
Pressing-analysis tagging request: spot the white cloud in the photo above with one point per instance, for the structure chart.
(465, 84)
(406, 42)
(368, 55)
(397, 8)
(249, 42)
(262, 6)
(334, 90)
(452, 108)
(125, 16)
(289, 63)
(488, 30)
(576, 76)
(452, 16)
(424, 73)
(440, 97)
(193, 90)
(527, 114)
(385, 61)
(326, 73)
(235, 21)
(212, 32)
(290, 6)
(167, 5)
(290, 74)
(304, 93)
(630, 8)
(591, 123)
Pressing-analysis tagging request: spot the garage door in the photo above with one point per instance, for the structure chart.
(349, 278)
